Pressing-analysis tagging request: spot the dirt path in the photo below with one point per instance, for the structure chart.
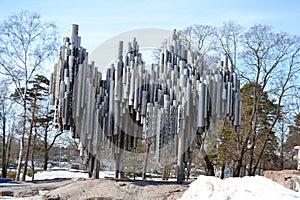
(99, 189)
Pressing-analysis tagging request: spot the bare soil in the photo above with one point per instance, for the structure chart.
(98, 189)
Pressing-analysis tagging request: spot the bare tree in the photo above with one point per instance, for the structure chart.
(228, 40)
(4, 110)
(7, 119)
(49, 134)
(283, 130)
(204, 36)
(26, 42)
(186, 35)
(271, 62)
(199, 37)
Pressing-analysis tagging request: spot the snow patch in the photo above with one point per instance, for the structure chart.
(258, 187)
(44, 175)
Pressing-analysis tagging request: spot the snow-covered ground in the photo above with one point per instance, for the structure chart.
(58, 174)
(79, 174)
(67, 174)
(258, 187)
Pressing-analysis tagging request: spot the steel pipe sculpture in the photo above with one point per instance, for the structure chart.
(163, 108)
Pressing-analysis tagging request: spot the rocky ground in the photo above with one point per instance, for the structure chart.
(100, 189)
(288, 178)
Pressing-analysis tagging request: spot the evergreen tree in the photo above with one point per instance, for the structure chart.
(292, 140)
(255, 147)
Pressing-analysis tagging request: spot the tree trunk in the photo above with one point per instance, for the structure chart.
(46, 151)
(4, 145)
(260, 155)
(166, 172)
(250, 168)
(48, 146)
(210, 167)
(32, 167)
(237, 170)
(27, 153)
(281, 146)
(29, 137)
(32, 154)
(146, 161)
(46, 158)
(8, 150)
(189, 168)
(20, 160)
(222, 173)
(281, 157)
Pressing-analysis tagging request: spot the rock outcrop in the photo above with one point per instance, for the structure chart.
(288, 178)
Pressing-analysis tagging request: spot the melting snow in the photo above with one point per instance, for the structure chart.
(258, 187)
(58, 174)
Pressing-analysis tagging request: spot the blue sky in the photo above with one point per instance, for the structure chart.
(99, 20)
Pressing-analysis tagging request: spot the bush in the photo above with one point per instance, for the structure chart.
(11, 174)
(29, 172)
